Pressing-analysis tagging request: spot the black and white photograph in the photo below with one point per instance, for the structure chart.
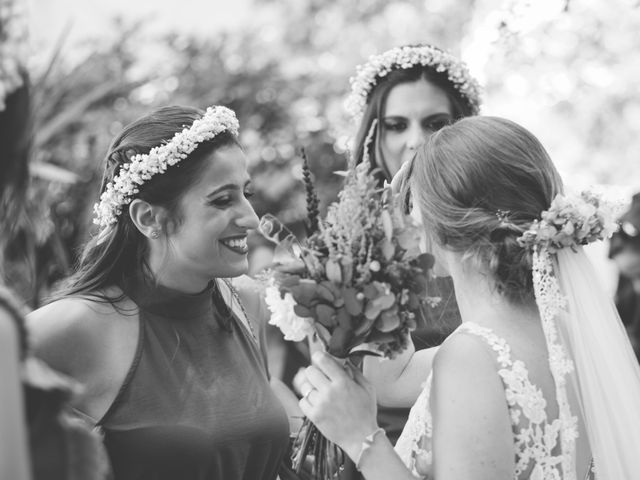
(320, 240)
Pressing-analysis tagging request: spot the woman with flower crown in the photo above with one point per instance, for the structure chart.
(173, 364)
(539, 381)
(398, 99)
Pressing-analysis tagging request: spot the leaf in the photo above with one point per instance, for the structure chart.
(351, 303)
(425, 261)
(339, 342)
(338, 301)
(325, 293)
(387, 224)
(370, 291)
(388, 320)
(326, 315)
(302, 311)
(365, 326)
(286, 280)
(74, 113)
(343, 318)
(387, 248)
(305, 293)
(347, 270)
(52, 173)
(377, 305)
(333, 271)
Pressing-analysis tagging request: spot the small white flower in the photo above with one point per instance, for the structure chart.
(283, 316)
(124, 186)
(378, 66)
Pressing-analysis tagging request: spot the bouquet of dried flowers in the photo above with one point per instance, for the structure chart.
(355, 282)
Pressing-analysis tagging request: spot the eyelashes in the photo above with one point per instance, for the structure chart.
(227, 200)
(431, 124)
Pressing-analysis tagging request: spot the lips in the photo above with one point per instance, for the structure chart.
(236, 244)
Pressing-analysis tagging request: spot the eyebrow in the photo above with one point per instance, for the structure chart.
(228, 186)
(439, 114)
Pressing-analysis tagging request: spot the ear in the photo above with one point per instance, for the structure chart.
(148, 219)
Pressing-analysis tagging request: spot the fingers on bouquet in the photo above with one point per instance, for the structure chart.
(355, 282)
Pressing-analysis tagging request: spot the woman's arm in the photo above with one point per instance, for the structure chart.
(472, 436)
(342, 404)
(14, 456)
(399, 381)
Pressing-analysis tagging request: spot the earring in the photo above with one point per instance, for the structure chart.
(155, 234)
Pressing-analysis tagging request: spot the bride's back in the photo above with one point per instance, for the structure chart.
(480, 185)
(529, 378)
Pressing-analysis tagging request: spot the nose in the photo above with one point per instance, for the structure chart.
(247, 217)
(415, 137)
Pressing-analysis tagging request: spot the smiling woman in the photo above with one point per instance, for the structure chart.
(173, 364)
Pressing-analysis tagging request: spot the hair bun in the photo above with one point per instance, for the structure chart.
(510, 264)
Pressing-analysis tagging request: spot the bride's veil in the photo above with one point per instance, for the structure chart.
(606, 382)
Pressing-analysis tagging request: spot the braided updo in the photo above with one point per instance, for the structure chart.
(479, 184)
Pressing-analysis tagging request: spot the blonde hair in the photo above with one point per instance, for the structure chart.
(479, 184)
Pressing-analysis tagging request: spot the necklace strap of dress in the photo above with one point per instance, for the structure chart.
(242, 315)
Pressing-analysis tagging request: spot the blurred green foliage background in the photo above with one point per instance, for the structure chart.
(568, 70)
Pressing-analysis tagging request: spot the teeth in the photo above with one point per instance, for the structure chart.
(236, 243)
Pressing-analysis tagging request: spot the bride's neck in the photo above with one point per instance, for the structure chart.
(480, 302)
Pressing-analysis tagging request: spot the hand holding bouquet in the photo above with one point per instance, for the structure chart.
(356, 281)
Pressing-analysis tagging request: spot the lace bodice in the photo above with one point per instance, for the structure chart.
(542, 447)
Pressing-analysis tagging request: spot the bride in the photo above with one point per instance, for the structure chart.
(539, 381)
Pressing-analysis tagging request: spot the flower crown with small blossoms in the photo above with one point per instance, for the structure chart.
(121, 190)
(404, 58)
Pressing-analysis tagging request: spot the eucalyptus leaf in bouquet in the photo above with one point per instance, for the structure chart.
(355, 282)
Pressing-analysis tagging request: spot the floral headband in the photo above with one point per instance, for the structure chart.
(571, 221)
(121, 190)
(13, 36)
(406, 57)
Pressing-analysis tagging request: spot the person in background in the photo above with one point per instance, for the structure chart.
(39, 437)
(14, 134)
(398, 99)
(624, 250)
(171, 353)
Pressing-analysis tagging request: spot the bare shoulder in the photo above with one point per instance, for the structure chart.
(471, 429)
(464, 360)
(74, 334)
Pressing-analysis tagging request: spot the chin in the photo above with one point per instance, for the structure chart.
(236, 270)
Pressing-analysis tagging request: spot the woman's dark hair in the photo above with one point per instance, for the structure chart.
(377, 100)
(123, 251)
(480, 183)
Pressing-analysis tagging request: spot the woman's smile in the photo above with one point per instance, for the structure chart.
(237, 244)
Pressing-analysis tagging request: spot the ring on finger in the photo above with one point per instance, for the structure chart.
(306, 395)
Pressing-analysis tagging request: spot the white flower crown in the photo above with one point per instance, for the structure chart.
(13, 43)
(121, 190)
(406, 57)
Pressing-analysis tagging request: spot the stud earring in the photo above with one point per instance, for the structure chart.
(155, 234)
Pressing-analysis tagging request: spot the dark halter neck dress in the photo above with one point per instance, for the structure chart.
(196, 403)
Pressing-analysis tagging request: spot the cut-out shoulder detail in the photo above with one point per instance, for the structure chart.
(538, 450)
(89, 341)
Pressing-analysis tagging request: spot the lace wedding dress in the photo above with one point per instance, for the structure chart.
(543, 448)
